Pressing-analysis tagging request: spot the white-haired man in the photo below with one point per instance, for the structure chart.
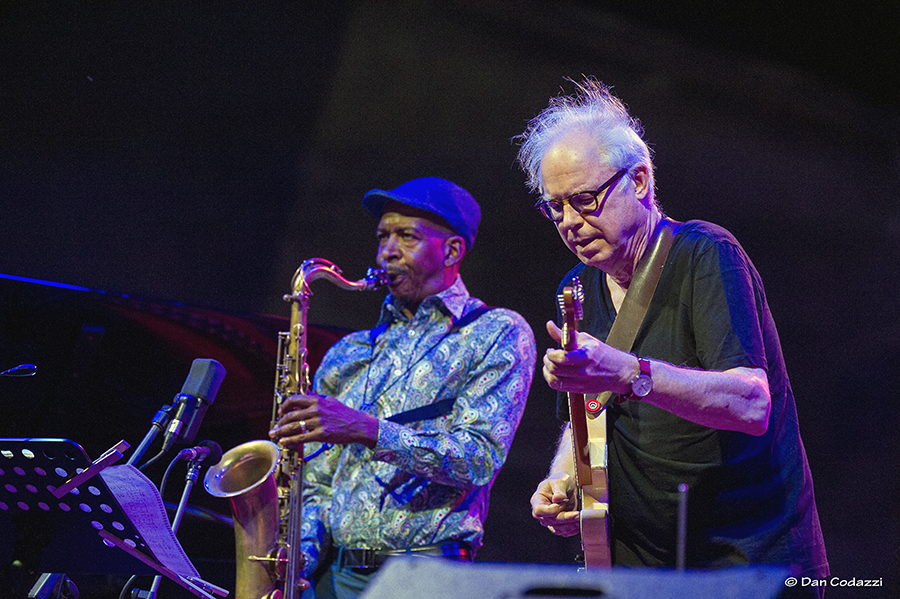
(702, 396)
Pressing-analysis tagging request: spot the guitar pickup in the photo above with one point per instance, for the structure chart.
(597, 453)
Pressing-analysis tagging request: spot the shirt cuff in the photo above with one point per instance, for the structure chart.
(392, 438)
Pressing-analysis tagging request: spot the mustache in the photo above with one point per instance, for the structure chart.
(394, 271)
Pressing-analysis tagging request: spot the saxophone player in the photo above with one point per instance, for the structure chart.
(420, 411)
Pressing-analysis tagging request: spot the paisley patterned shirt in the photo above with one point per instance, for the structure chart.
(426, 481)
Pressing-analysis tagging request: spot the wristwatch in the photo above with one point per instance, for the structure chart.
(642, 383)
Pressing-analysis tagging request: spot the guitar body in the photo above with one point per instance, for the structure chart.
(588, 448)
(595, 498)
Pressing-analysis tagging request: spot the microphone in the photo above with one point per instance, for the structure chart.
(206, 453)
(196, 396)
(20, 370)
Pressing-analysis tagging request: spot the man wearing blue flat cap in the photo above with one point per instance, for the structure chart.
(419, 411)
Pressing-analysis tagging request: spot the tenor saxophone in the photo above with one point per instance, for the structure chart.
(263, 481)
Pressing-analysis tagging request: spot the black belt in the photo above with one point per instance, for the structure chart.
(372, 559)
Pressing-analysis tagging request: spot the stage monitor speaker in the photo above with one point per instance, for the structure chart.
(416, 577)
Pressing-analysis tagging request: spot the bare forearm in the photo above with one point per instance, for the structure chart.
(736, 399)
(564, 461)
(554, 503)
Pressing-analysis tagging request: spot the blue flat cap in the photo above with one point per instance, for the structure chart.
(438, 196)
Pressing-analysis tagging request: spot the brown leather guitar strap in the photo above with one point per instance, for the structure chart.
(640, 291)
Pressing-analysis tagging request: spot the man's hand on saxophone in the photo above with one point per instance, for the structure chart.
(322, 419)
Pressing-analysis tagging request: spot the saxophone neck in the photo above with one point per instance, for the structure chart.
(319, 268)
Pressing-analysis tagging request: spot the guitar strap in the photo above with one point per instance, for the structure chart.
(640, 291)
(594, 518)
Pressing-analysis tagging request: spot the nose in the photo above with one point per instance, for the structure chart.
(570, 216)
(389, 248)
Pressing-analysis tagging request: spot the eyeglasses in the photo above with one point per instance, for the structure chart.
(582, 203)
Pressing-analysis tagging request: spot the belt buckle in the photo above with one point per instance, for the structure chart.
(368, 559)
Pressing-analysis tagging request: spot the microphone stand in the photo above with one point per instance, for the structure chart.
(160, 422)
(681, 549)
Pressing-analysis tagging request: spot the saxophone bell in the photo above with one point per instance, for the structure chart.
(246, 477)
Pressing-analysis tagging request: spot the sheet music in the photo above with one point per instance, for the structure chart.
(140, 500)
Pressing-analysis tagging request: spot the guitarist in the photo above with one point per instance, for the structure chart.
(702, 398)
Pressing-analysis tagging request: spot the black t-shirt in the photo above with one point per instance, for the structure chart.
(751, 498)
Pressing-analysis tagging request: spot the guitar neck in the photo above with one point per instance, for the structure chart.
(577, 417)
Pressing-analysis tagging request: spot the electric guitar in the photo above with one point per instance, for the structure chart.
(588, 426)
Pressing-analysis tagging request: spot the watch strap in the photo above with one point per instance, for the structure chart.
(643, 370)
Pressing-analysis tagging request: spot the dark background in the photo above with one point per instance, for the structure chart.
(190, 155)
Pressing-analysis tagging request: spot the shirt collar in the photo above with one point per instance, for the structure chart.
(451, 300)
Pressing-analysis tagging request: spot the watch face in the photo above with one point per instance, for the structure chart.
(642, 385)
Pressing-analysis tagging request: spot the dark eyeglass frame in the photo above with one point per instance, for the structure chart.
(583, 206)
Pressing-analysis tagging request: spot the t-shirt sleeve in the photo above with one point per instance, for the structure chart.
(726, 309)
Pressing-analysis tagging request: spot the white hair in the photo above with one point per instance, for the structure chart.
(594, 111)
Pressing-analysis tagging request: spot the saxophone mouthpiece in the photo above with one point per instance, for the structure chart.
(378, 277)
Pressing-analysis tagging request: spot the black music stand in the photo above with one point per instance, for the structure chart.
(84, 531)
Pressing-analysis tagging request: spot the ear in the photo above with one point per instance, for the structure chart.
(454, 250)
(641, 179)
